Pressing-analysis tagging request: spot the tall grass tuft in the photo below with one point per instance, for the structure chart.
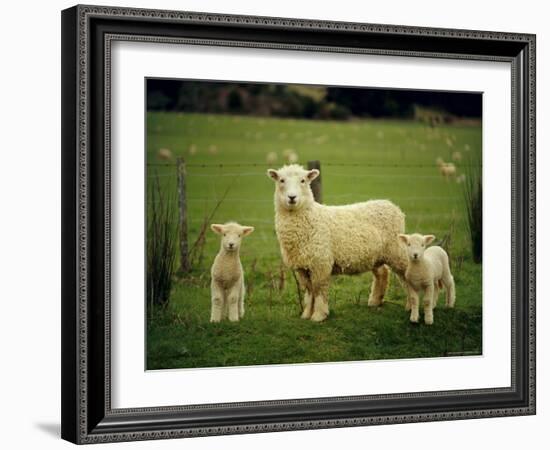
(162, 231)
(474, 209)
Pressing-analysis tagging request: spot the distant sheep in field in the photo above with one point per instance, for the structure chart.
(213, 149)
(271, 158)
(192, 149)
(290, 156)
(428, 271)
(456, 156)
(320, 139)
(165, 154)
(461, 178)
(446, 169)
(227, 285)
(317, 241)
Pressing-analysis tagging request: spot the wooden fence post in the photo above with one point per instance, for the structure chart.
(316, 185)
(185, 265)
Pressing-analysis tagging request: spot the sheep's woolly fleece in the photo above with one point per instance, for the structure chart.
(346, 239)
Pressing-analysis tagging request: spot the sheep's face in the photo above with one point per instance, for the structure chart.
(232, 234)
(416, 244)
(292, 186)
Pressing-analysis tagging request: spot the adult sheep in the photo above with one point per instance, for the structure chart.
(318, 241)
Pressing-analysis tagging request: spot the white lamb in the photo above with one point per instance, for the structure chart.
(317, 241)
(428, 272)
(227, 284)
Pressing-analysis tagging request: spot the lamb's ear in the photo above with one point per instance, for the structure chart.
(312, 174)
(272, 173)
(247, 230)
(403, 238)
(428, 239)
(217, 228)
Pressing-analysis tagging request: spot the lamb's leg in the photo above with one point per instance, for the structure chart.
(379, 285)
(437, 287)
(449, 283)
(320, 284)
(305, 285)
(408, 303)
(233, 298)
(398, 262)
(414, 300)
(241, 299)
(428, 304)
(216, 312)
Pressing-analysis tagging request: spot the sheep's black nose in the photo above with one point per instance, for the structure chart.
(415, 255)
(231, 245)
(292, 198)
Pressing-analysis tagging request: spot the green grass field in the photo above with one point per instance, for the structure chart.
(360, 160)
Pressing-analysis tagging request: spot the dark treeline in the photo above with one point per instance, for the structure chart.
(304, 101)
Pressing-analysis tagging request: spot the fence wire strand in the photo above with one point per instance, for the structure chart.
(325, 164)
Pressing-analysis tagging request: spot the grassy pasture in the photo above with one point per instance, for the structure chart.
(360, 160)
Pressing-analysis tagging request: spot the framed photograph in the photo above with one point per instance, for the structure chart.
(281, 224)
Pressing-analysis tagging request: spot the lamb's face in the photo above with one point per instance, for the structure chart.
(292, 186)
(232, 234)
(416, 245)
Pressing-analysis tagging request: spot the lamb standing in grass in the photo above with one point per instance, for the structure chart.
(227, 284)
(317, 241)
(428, 271)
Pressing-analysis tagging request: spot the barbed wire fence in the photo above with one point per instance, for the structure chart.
(180, 174)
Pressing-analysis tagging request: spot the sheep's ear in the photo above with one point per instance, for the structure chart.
(217, 228)
(247, 230)
(403, 238)
(428, 239)
(312, 174)
(272, 173)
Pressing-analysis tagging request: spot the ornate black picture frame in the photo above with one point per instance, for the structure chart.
(87, 34)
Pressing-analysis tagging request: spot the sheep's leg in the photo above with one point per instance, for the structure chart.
(410, 294)
(308, 305)
(320, 303)
(437, 286)
(414, 306)
(216, 312)
(450, 288)
(233, 308)
(379, 285)
(241, 299)
(305, 285)
(233, 298)
(428, 304)
(320, 284)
